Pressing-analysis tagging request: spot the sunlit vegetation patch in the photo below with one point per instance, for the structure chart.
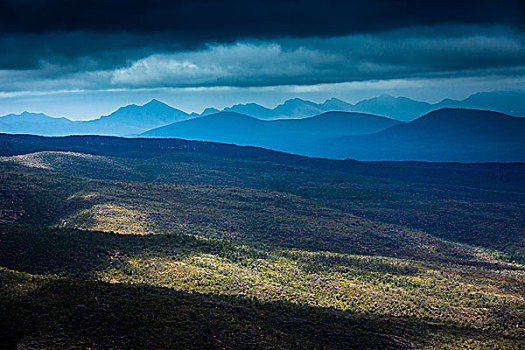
(250, 216)
(474, 300)
(187, 251)
(451, 207)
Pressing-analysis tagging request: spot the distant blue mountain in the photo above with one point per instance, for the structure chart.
(335, 104)
(251, 109)
(400, 108)
(133, 119)
(445, 135)
(297, 108)
(227, 127)
(508, 102)
(332, 124)
(35, 123)
(283, 134)
(209, 110)
(294, 108)
(128, 120)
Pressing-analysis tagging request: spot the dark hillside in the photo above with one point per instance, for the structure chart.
(504, 176)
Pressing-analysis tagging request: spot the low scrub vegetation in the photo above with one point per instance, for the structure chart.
(198, 251)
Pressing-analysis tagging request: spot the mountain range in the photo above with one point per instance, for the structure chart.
(127, 120)
(400, 108)
(306, 128)
(445, 135)
(36, 123)
(133, 119)
(241, 129)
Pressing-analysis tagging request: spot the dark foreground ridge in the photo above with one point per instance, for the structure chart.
(483, 175)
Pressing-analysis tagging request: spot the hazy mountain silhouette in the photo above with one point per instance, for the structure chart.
(335, 104)
(293, 108)
(400, 108)
(333, 124)
(251, 109)
(446, 135)
(210, 110)
(231, 127)
(508, 102)
(128, 120)
(35, 123)
(297, 108)
(228, 127)
(133, 119)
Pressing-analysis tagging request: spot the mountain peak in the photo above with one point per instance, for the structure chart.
(155, 102)
(334, 99)
(298, 102)
(30, 114)
(250, 104)
(294, 101)
(210, 110)
(386, 97)
(335, 104)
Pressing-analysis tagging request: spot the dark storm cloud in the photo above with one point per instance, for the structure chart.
(227, 20)
(116, 31)
(438, 53)
(93, 45)
(80, 50)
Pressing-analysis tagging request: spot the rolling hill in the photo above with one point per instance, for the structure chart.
(508, 102)
(446, 135)
(230, 127)
(252, 109)
(226, 127)
(330, 124)
(163, 243)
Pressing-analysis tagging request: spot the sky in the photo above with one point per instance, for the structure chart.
(82, 59)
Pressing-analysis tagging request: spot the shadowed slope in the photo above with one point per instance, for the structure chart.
(446, 135)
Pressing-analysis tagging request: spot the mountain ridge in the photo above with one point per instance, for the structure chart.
(396, 107)
(126, 120)
(135, 119)
(445, 135)
(448, 134)
(236, 128)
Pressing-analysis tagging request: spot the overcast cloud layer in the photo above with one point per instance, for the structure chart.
(65, 45)
(305, 61)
